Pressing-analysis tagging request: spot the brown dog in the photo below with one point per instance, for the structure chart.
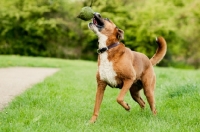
(122, 68)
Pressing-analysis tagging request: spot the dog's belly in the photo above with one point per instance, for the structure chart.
(106, 71)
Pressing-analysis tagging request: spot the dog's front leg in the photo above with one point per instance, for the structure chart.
(125, 88)
(99, 97)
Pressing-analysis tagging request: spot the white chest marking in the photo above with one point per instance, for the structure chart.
(106, 70)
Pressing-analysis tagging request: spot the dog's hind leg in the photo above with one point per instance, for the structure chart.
(148, 87)
(135, 93)
(124, 90)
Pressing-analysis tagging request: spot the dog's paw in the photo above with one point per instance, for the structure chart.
(128, 107)
(91, 122)
(154, 112)
(93, 119)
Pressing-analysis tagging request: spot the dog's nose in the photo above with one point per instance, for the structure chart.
(97, 14)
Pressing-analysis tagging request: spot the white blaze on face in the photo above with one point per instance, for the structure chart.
(106, 70)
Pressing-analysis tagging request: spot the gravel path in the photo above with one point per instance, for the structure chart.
(15, 80)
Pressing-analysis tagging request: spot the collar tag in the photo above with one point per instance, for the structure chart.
(99, 51)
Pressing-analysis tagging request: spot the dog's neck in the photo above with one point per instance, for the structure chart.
(104, 41)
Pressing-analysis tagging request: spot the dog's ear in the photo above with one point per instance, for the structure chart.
(120, 34)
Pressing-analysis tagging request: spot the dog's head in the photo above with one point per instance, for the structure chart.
(100, 25)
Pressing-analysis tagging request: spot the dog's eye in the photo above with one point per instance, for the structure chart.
(107, 19)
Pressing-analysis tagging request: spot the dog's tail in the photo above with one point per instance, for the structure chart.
(160, 52)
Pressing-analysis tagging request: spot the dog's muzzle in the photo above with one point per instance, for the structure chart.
(97, 21)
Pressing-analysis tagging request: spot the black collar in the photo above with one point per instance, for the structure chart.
(101, 50)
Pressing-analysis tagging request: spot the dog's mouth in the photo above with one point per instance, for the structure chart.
(97, 20)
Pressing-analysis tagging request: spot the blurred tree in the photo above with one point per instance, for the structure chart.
(38, 28)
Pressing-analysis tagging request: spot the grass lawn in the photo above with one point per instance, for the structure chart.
(64, 102)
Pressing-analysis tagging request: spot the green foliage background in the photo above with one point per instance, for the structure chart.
(50, 28)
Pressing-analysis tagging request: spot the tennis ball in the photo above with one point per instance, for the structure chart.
(86, 13)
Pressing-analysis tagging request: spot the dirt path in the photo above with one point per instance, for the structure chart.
(15, 80)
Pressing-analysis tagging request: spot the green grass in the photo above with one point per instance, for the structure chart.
(64, 102)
